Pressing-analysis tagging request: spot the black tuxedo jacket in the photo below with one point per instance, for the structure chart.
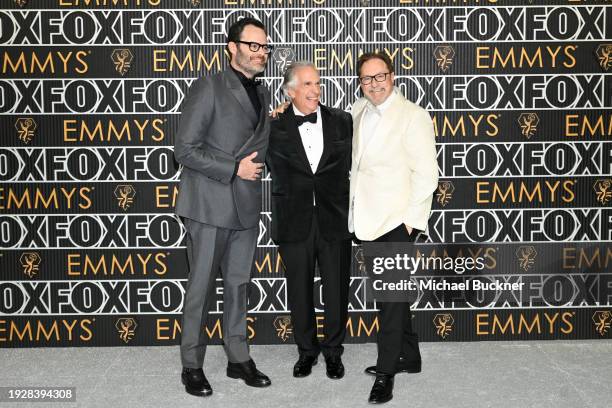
(294, 183)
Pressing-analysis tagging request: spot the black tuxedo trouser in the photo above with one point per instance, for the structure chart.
(395, 336)
(334, 259)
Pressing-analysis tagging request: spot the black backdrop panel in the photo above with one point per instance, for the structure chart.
(520, 96)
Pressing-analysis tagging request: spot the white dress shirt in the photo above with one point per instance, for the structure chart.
(312, 138)
(371, 118)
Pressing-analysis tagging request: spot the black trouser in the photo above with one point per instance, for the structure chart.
(395, 336)
(334, 259)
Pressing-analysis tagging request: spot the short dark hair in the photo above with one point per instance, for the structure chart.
(235, 30)
(374, 55)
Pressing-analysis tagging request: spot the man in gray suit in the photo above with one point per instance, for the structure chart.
(221, 142)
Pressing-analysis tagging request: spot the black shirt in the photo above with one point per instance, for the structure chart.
(250, 85)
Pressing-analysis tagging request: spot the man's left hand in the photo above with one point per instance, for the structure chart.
(280, 109)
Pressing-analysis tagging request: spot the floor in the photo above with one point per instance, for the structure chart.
(555, 374)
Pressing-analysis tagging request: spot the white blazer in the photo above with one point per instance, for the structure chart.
(395, 173)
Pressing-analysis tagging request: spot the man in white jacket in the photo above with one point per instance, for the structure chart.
(394, 174)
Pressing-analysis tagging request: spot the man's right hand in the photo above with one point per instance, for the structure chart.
(248, 170)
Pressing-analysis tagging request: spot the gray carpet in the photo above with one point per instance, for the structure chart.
(553, 374)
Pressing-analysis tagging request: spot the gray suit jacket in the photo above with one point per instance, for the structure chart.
(215, 132)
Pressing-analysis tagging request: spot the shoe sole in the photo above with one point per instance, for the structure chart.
(237, 376)
(383, 401)
(194, 392)
(335, 378)
(407, 371)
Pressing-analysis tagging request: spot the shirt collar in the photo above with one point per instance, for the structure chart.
(246, 82)
(298, 113)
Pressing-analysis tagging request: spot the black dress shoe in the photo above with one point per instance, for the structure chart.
(249, 373)
(303, 367)
(335, 368)
(382, 390)
(403, 366)
(195, 382)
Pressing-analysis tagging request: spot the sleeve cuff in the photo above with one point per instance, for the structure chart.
(235, 171)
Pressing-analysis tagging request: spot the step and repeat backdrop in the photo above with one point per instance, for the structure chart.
(520, 94)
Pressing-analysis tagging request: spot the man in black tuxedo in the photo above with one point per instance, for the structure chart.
(309, 156)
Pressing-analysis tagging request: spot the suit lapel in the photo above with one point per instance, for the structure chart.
(238, 91)
(360, 148)
(263, 116)
(328, 136)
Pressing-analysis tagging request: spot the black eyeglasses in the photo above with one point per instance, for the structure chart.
(254, 46)
(366, 80)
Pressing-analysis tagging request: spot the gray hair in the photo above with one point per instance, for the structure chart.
(289, 74)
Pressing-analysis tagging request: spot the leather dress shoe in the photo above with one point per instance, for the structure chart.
(303, 367)
(249, 373)
(335, 368)
(403, 366)
(195, 382)
(382, 390)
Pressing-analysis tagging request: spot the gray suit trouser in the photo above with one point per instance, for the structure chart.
(210, 250)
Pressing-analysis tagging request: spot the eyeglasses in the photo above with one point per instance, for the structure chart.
(254, 46)
(366, 80)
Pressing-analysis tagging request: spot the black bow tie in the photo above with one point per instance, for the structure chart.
(312, 118)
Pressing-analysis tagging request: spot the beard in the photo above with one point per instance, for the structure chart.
(251, 64)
